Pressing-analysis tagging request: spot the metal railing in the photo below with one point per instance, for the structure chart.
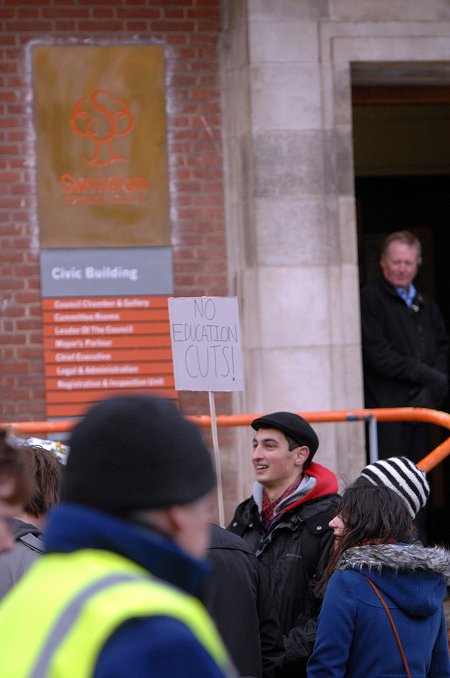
(370, 415)
(232, 420)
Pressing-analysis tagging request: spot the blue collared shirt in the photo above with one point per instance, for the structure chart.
(407, 295)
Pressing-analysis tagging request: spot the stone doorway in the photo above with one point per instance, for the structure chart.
(402, 180)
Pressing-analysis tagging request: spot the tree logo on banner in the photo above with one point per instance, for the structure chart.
(102, 118)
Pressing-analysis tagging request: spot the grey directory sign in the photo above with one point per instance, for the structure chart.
(106, 271)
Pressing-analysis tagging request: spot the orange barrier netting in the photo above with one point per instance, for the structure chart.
(230, 420)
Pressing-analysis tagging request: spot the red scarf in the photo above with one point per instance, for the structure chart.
(268, 507)
(326, 484)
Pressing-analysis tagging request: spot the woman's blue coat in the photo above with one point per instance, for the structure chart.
(355, 638)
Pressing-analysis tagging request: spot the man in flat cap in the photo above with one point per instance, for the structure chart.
(285, 522)
(117, 593)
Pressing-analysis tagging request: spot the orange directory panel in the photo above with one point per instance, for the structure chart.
(97, 346)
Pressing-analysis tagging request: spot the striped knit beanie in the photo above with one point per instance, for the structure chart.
(404, 477)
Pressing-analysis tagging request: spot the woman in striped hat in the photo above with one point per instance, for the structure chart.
(382, 614)
(407, 480)
(401, 475)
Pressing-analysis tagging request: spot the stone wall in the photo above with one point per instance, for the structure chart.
(190, 32)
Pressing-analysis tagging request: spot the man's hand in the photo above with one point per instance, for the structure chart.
(435, 382)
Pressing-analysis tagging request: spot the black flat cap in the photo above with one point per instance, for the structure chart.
(293, 425)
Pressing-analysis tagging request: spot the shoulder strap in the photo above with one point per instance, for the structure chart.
(33, 542)
(394, 628)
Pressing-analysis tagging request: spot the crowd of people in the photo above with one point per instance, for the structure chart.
(111, 567)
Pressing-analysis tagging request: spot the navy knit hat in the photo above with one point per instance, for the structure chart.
(136, 452)
(402, 476)
(293, 425)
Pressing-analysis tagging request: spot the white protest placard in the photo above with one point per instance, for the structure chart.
(206, 344)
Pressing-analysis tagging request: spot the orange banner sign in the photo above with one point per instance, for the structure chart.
(98, 346)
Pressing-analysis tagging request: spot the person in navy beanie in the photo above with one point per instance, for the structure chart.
(118, 592)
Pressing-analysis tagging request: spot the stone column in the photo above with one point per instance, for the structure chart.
(291, 222)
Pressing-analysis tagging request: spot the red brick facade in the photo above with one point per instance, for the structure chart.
(190, 31)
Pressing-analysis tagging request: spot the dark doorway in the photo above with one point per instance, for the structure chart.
(421, 205)
(397, 189)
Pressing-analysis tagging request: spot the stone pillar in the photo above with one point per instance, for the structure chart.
(291, 223)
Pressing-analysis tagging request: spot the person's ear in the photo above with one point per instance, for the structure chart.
(8, 486)
(177, 518)
(301, 454)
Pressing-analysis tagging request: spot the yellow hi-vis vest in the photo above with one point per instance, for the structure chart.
(56, 620)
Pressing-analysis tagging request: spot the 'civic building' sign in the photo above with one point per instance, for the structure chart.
(104, 228)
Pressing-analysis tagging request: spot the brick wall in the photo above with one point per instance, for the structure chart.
(190, 29)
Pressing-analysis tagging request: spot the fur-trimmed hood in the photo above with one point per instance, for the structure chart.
(412, 575)
(408, 557)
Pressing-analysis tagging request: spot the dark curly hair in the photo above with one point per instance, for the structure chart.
(370, 513)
